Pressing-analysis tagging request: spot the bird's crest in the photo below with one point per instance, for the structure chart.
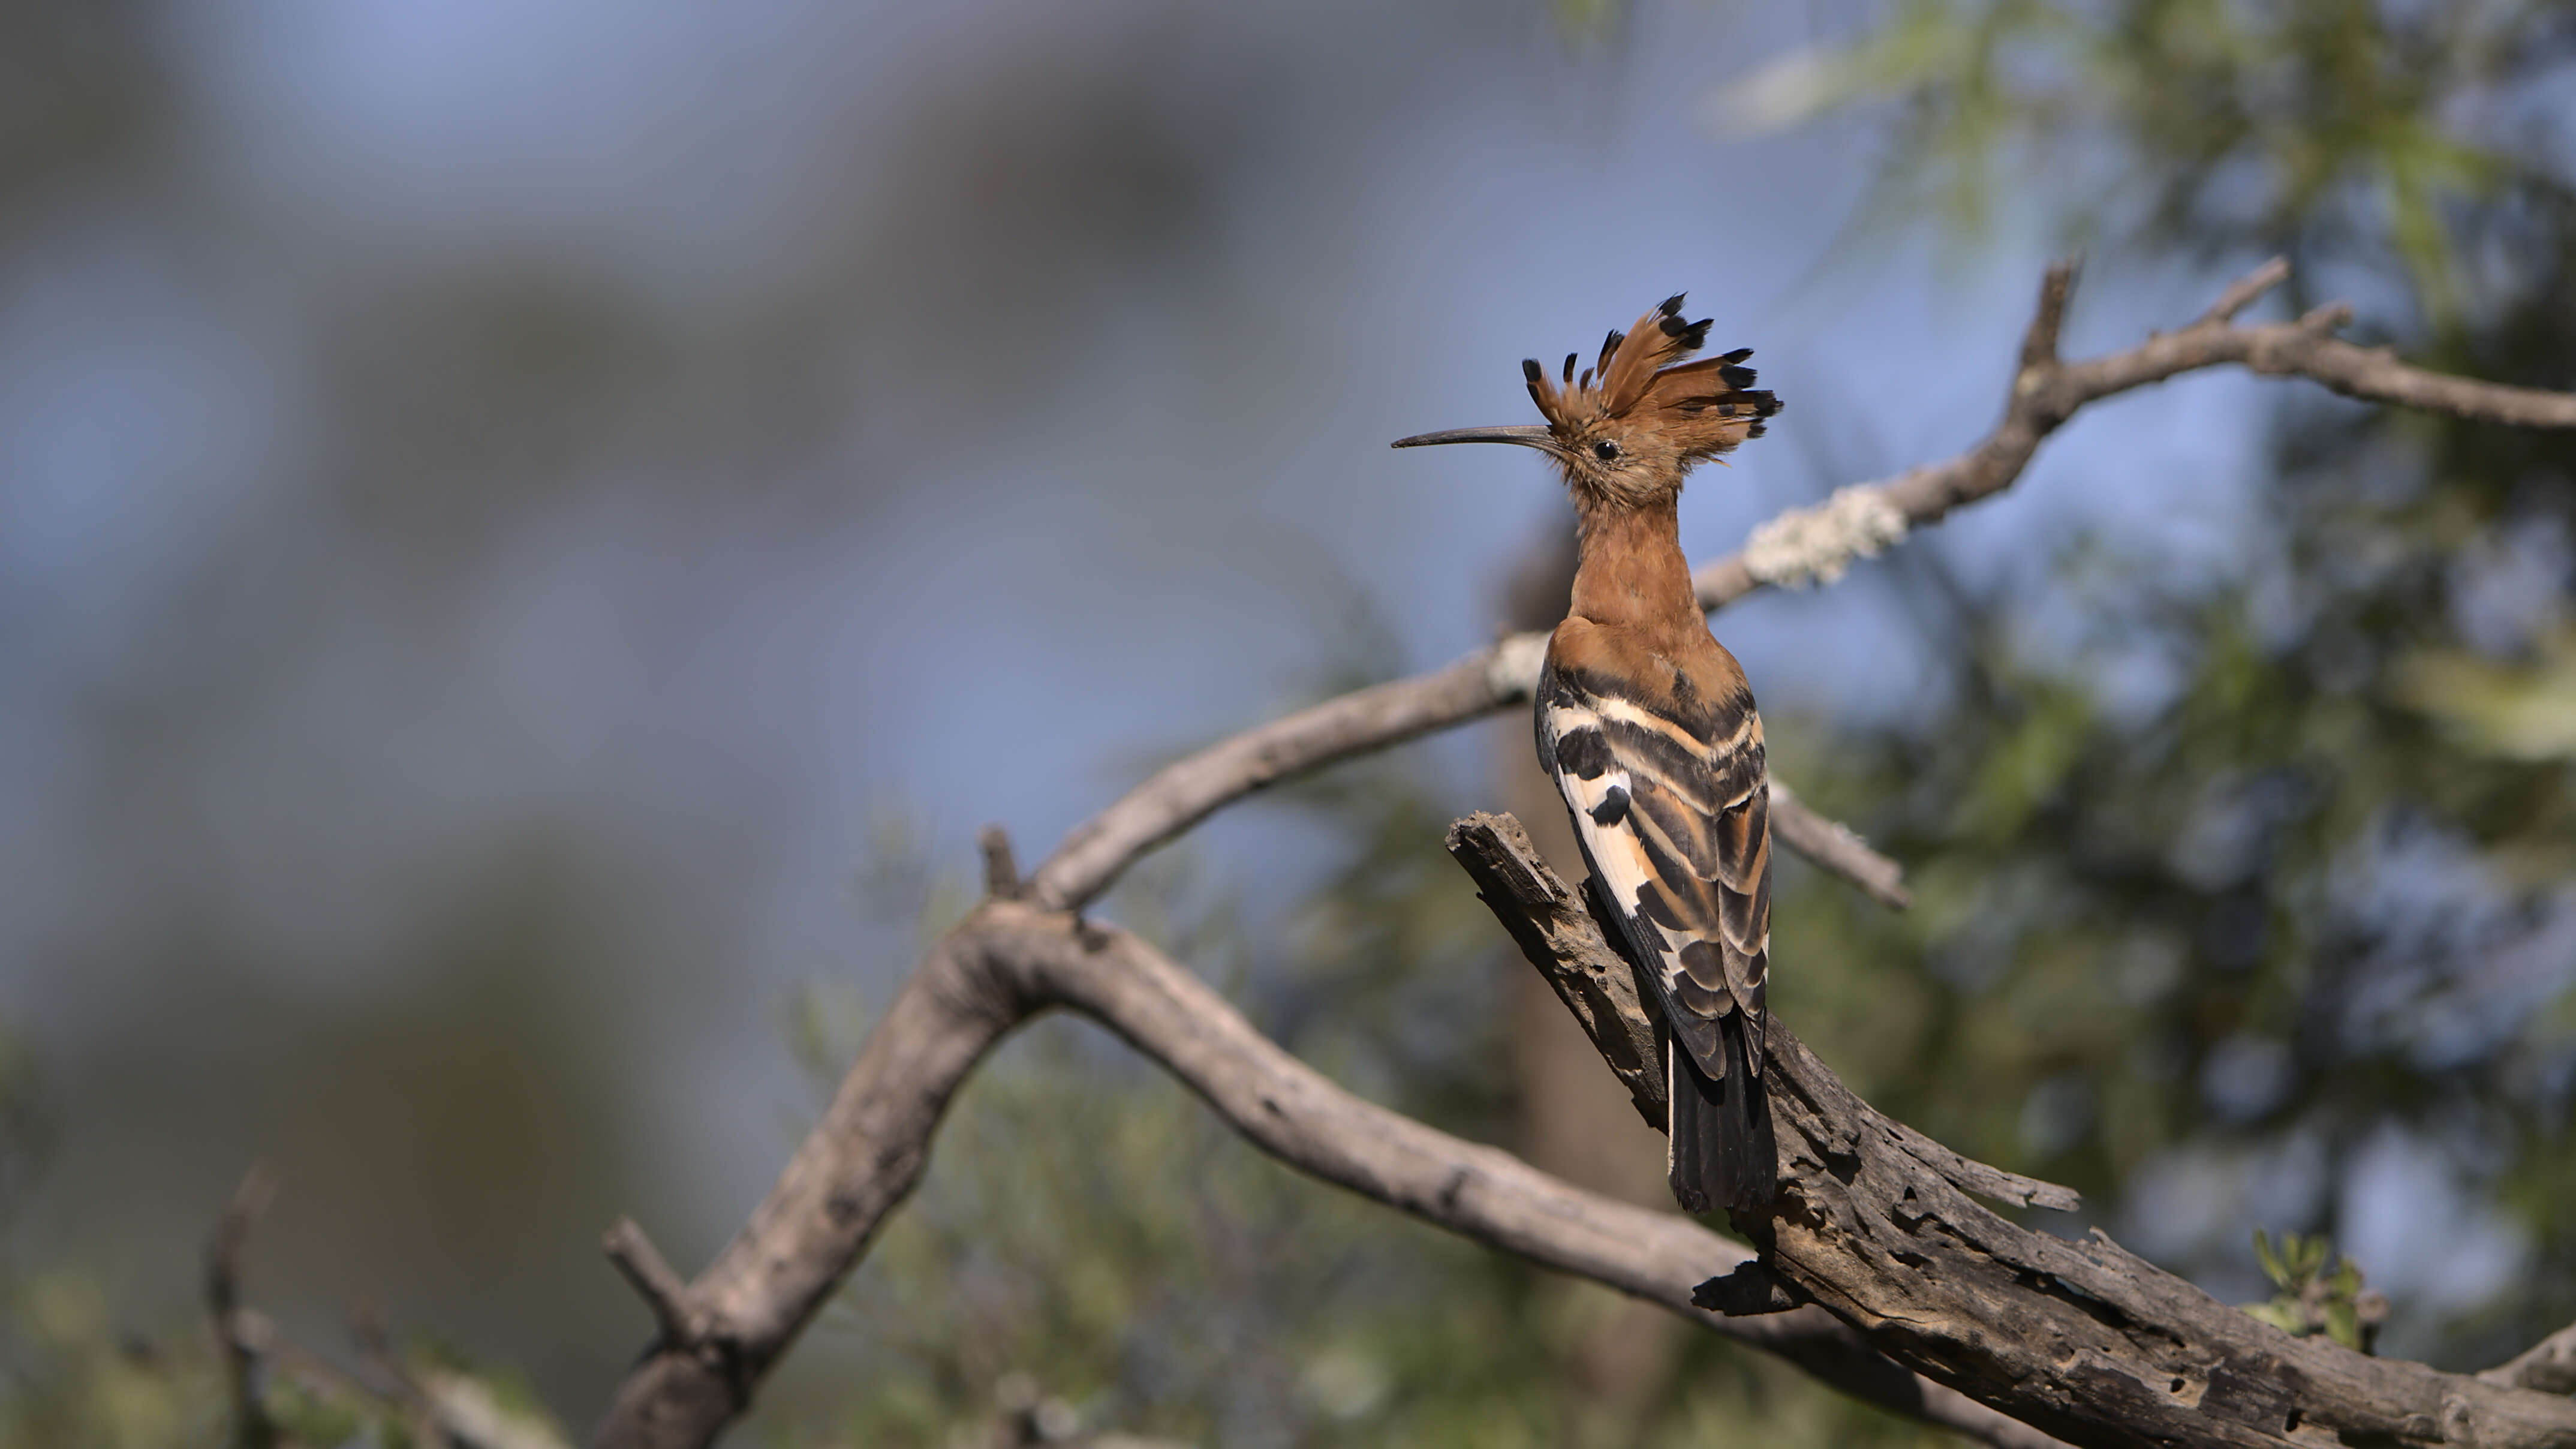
(1641, 383)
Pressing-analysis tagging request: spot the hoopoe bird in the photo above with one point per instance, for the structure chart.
(1647, 726)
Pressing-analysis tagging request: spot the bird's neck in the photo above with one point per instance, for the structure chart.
(1632, 572)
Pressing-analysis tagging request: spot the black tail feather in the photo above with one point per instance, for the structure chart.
(1723, 1154)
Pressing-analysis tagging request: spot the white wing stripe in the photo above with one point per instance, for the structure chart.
(1614, 850)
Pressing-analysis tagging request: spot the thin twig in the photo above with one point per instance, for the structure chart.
(1001, 867)
(2246, 290)
(2548, 1366)
(1188, 790)
(653, 1279)
(1837, 849)
(2039, 339)
(244, 1337)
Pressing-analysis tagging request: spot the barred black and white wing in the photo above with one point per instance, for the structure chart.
(1671, 803)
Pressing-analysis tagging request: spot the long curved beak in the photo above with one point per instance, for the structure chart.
(1528, 435)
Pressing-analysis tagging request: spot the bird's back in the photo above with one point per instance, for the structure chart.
(1657, 747)
(1653, 739)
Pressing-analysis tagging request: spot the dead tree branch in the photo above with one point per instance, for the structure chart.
(2046, 392)
(1010, 961)
(1554, 928)
(2548, 1366)
(1563, 935)
(1837, 849)
(2081, 1338)
(1026, 950)
(1189, 790)
(653, 1278)
(1858, 521)
(242, 1336)
(1001, 867)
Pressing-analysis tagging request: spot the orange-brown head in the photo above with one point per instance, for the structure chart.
(1640, 417)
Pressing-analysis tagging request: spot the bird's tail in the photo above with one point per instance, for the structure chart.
(1722, 1149)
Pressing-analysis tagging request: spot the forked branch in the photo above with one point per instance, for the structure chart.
(1010, 961)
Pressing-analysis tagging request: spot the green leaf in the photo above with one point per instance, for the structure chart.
(2308, 1258)
(2282, 1314)
(2523, 711)
(2343, 1323)
(2272, 1268)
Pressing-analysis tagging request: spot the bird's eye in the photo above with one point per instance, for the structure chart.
(1605, 450)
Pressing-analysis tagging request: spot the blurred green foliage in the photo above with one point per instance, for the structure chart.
(68, 1374)
(76, 1376)
(2206, 126)
(73, 1379)
(2312, 1300)
(73, 1371)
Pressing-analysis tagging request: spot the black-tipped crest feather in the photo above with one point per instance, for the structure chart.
(1688, 411)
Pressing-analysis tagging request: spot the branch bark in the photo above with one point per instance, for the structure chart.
(1837, 849)
(1189, 790)
(653, 1279)
(243, 1337)
(2084, 1340)
(1012, 960)
(2548, 1366)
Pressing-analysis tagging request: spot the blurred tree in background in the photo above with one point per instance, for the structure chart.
(2235, 897)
